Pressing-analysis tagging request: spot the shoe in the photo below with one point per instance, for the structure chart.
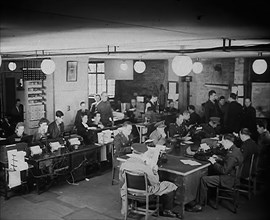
(196, 208)
(168, 213)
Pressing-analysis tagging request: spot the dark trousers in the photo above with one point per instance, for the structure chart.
(167, 200)
(205, 183)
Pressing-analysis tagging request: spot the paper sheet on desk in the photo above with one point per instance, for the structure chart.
(191, 162)
(188, 142)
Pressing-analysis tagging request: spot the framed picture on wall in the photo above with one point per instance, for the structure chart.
(72, 71)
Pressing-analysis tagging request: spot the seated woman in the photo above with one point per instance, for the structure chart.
(19, 133)
(84, 130)
(96, 121)
(122, 141)
(158, 135)
(41, 133)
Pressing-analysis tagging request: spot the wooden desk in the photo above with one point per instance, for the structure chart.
(48, 167)
(186, 177)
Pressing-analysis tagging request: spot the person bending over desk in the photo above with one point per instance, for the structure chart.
(158, 135)
(122, 140)
(137, 163)
(19, 133)
(225, 172)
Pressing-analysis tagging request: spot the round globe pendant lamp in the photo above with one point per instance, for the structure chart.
(12, 66)
(139, 66)
(197, 67)
(259, 66)
(47, 66)
(182, 65)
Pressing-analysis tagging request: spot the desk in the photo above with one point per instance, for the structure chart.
(142, 129)
(186, 177)
(48, 167)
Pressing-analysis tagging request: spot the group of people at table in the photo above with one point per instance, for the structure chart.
(183, 127)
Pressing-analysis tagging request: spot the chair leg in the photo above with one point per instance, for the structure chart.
(126, 211)
(113, 173)
(217, 194)
(147, 208)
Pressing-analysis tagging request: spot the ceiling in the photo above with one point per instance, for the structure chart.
(140, 29)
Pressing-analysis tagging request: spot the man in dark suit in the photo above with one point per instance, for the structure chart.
(56, 128)
(234, 115)
(194, 117)
(210, 107)
(17, 112)
(225, 169)
(249, 118)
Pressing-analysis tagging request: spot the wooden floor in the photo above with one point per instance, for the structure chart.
(98, 199)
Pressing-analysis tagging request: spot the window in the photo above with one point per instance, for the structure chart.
(97, 82)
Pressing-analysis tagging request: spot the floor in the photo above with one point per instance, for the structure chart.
(96, 198)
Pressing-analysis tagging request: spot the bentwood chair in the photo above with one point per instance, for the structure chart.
(248, 184)
(231, 194)
(136, 191)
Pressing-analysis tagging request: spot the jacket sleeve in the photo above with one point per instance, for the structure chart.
(228, 166)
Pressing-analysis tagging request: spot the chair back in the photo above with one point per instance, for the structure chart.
(238, 175)
(136, 181)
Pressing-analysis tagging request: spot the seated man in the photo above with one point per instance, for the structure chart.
(41, 133)
(19, 133)
(225, 170)
(122, 141)
(56, 128)
(178, 128)
(248, 148)
(194, 117)
(158, 135)
(209, 129)
(137, 163)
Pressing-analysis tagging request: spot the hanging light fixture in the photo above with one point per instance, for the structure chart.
(259, 66)
(12, 66)
(47, 66)
(123, 66)
(139, 66)
(197, 67)
(182, 65)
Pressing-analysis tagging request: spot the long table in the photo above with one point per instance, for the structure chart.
(73, 163)
(186, 177)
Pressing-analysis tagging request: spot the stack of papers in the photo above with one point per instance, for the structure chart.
(188, 142)
(191, 162)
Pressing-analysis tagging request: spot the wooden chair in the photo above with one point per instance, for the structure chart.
(249, 184)
(115, 166)
(231, 194)
(137, 191)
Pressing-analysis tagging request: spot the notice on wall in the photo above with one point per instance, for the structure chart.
(261, 99)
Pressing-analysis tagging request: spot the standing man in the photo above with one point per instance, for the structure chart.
(56, 128)
(93, 107)
(233, 117)
(249, 118)
(210, 107)
(17, 112)
(105, 110)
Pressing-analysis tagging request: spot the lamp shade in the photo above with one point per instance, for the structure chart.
(123, 66)
(181, 65)
(259, 66)
(47, 66)
(197, 67)
(139, 66)
(12, 66)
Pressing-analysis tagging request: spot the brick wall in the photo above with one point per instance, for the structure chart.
(144, 84)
